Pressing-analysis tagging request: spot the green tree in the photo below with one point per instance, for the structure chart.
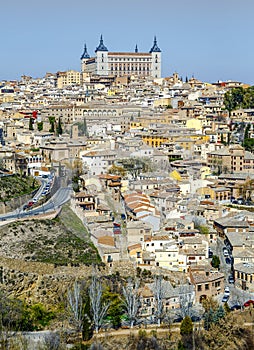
(117, 170)
(52, 124)
(215, 262)
(59, 129)
(186, 327)
(40, 126)
(31, 127)
(116, 308)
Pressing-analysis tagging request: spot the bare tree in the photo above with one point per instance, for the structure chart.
(75, 305)
(185, 299)
(159, 293)
(132, 300)
(98, 308)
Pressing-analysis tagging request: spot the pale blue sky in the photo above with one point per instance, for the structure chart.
(212, 40)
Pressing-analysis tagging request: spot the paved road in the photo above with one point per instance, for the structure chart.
(237, 295)
(56, 201)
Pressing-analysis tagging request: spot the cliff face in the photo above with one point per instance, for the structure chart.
(38, 282)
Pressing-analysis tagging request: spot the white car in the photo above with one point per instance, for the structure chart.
(226, 291)
(225, 253)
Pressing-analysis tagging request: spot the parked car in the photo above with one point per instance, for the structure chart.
(235, 307)
(231, 279)
(225, 298)
(210, 254)
(225, 253)
(228, 260)
(226, 291)
(248, 303)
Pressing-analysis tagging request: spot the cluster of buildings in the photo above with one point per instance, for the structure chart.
(159, 158)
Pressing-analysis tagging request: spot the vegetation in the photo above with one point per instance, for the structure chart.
(215, 262)
(52, 121)
(117, 170)
(204, 230)
(15, 186)
(239, 98)
(58, 241)
(248, 143)
(82, 128)
(16, 315)
(31, 123)
(40, 126)
(59, 129)
(136, 165)
(186, 327)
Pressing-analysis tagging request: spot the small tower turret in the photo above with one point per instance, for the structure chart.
(84, 57)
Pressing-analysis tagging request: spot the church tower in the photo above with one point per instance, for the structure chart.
(84, 57)
(156, 60)
(102, 58)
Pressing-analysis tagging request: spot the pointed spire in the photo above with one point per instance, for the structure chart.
(101, 46)
(85, 53)
(136, 48)
(155, 47)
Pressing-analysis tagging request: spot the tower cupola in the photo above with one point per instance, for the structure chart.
(101, 46)
(85, 54)
(155, 47)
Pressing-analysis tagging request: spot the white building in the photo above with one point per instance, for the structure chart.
(119, 64)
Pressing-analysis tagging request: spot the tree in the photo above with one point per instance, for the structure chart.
(185, 300)
(131, 300)
(215, 262)
(186, 327)
(52, 124)
(98, 308)
(158, 293)
(116, 308)
(117, 170)
(75, 305)
(31, 127)
(40, 126)
(59, 129)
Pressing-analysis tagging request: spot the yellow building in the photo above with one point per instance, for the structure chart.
(68, 78)
(162, 102)
(194, 123)
(155, 140)
(219, 193)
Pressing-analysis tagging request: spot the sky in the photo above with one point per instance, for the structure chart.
(210, 40)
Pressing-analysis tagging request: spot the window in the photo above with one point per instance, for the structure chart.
(199, 288)
(207, 286)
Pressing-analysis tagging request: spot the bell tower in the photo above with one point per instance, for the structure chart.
(101, 58)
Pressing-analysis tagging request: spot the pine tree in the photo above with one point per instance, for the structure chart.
(186, 327)
(31, 124)
(220, 312)
(59, 128)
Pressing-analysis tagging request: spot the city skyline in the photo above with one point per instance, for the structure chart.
(208, 40)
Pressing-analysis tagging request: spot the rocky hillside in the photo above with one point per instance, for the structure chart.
(15, 186)
(39, 259)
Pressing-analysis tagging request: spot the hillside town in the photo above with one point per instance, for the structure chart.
(161, 169)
